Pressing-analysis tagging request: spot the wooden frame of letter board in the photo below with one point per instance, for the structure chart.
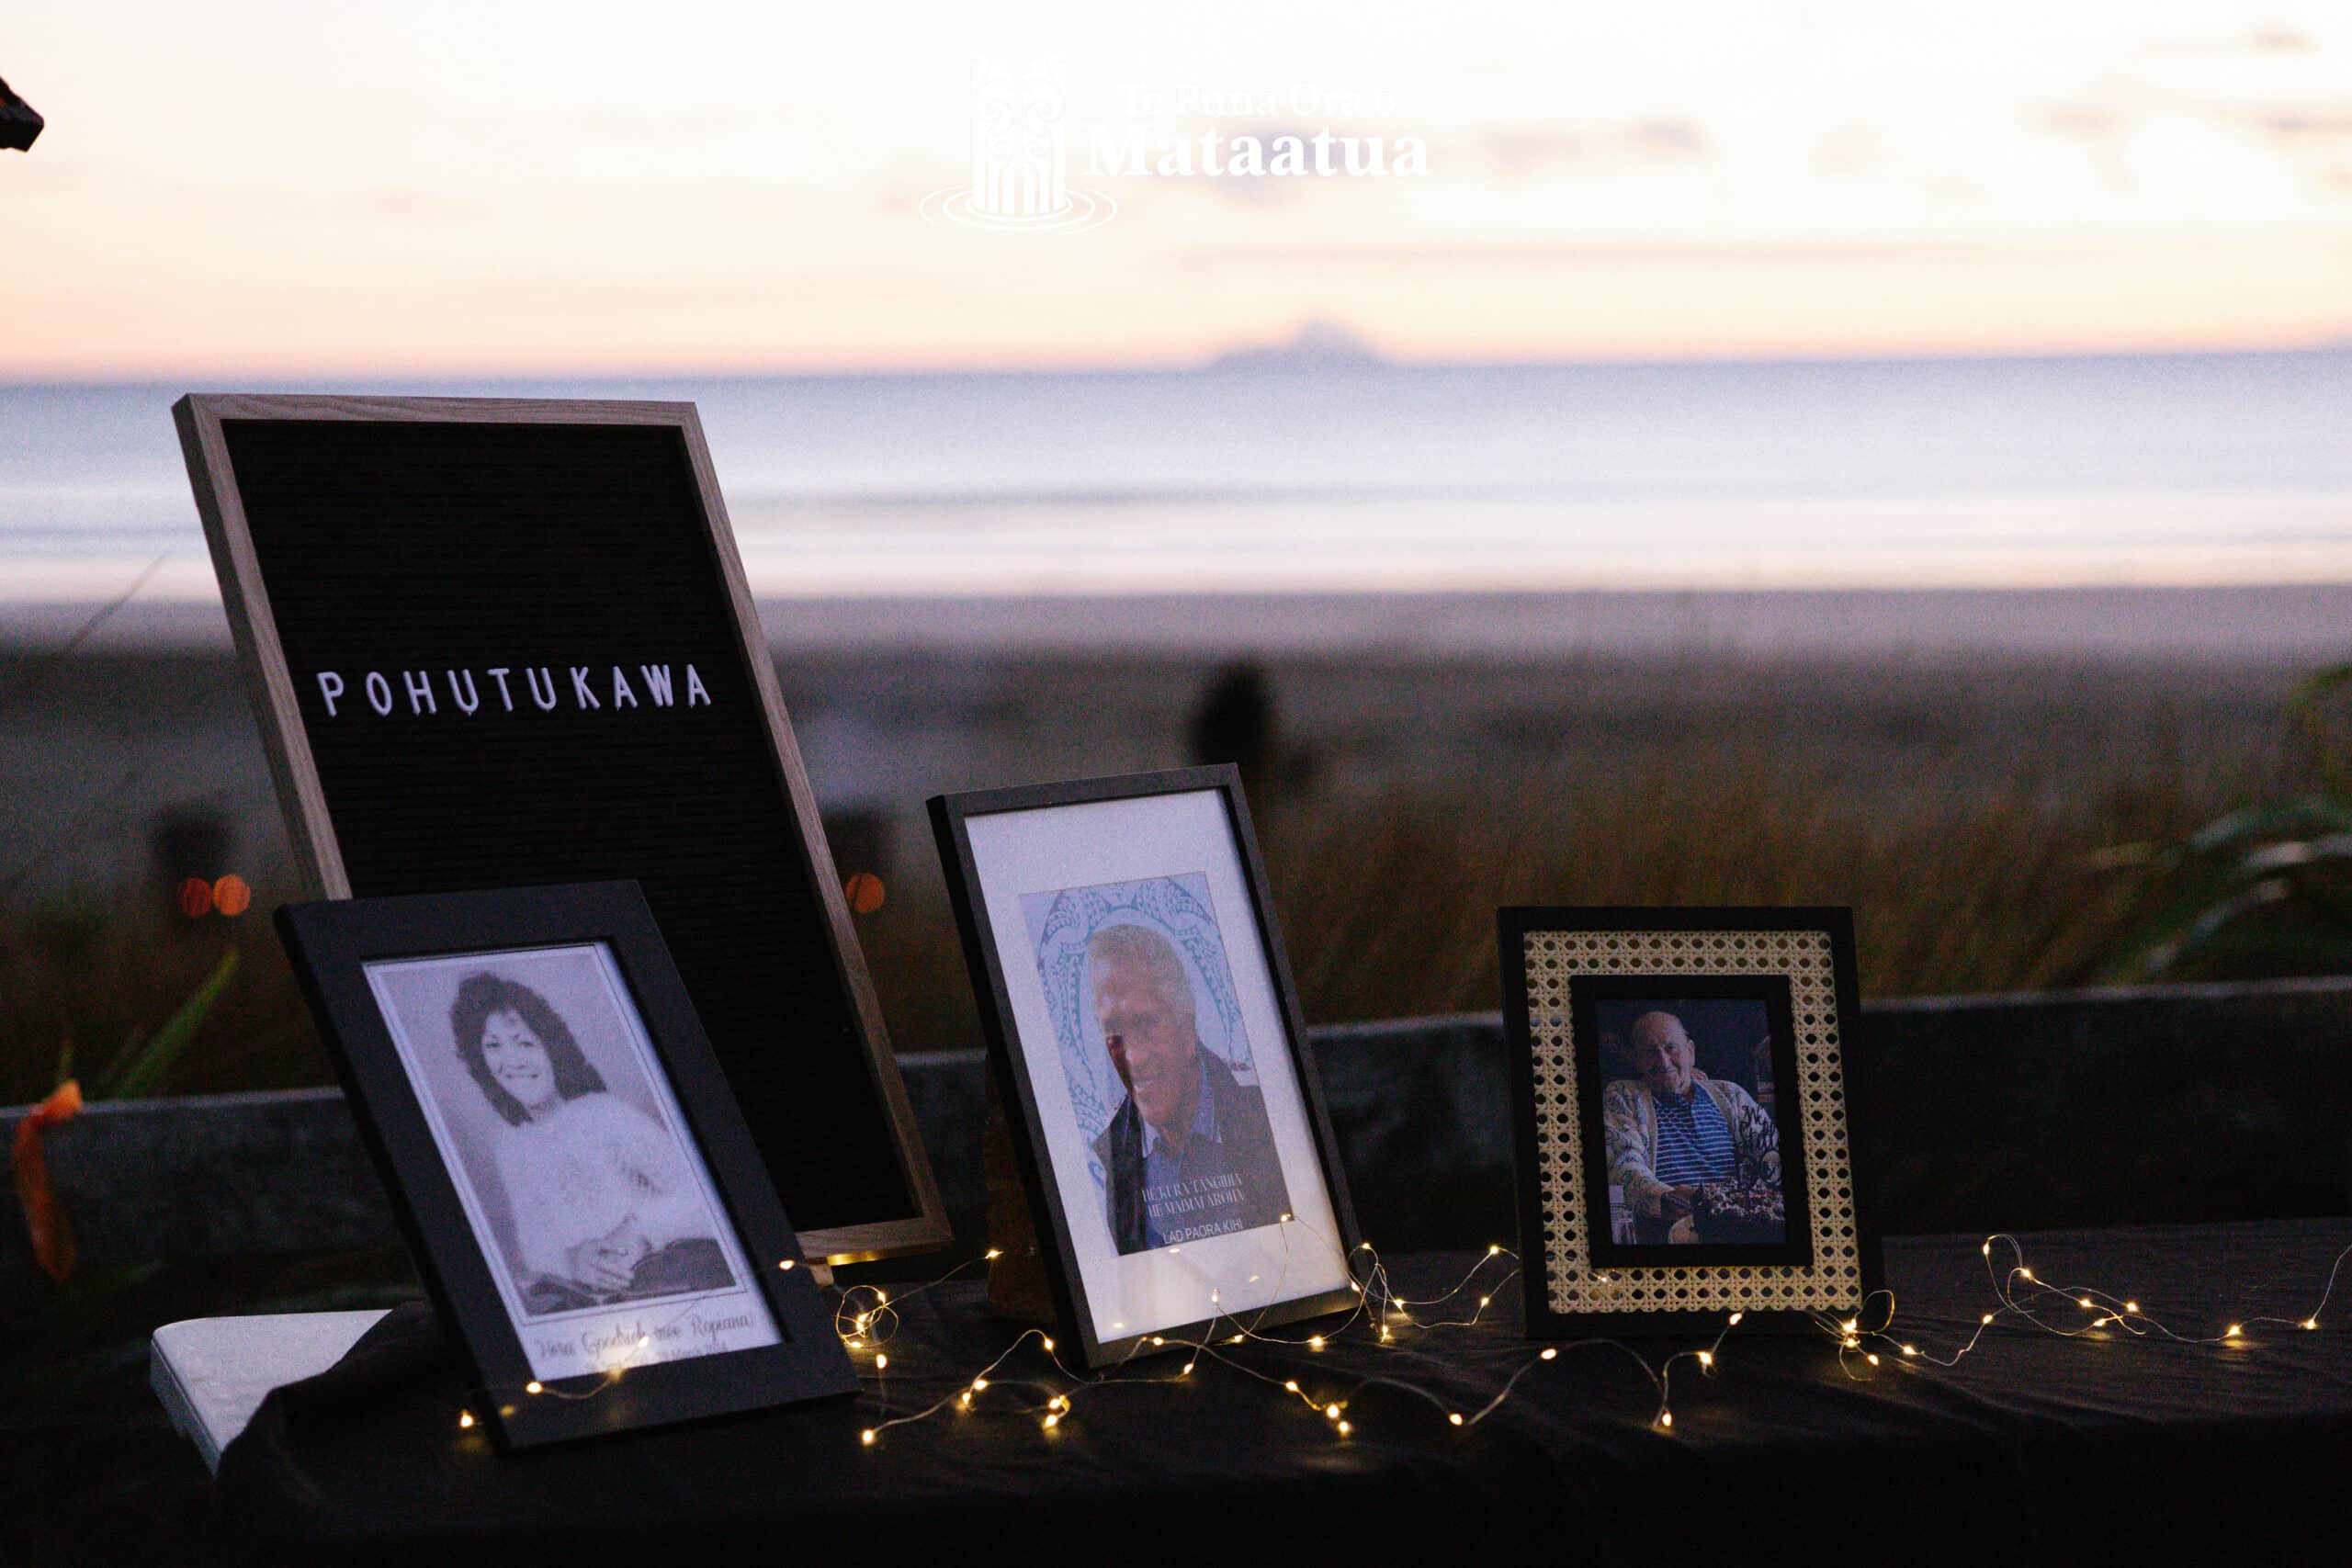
(1041, 1193)
(311, 828)
(332, 945)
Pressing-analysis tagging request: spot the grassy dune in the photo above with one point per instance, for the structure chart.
(1969, 815)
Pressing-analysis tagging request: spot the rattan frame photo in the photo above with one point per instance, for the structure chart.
(1175, 1159)
(571, 1174)
(1647, 1205)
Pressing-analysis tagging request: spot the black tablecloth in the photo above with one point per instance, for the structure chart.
(2110, 1446)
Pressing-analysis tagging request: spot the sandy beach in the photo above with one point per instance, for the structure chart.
(145, 721)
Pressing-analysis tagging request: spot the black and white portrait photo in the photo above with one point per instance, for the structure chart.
(571, 1153)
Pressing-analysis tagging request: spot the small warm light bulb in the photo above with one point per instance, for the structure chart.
(1494, 1249)
(2236, 1330)
(1910, 1349)
(1665, 1417)
(979, 1383)
(1345, 1429)
(1155, 1339)
(1291, 1387)
(2311, 1323)
(1551, 1352)
(2085, 1303)
(465, 1419)
(643, 1340)
(965, 1399)
(1872, 1359)
(1332, 1411)
(1384, 1335)
(1706, 1358)
(1455, 1416)
(1852, 1343)
(1486, 1302)
(1314, 1342)
(856, 1344)
(535, 1386)
(880, 1362)
(881, 1299)
(2131, 1306)
(785, 1265)
(1736, 1318)
(1235, 1340)
(867, 1436)
(2025, 1273)
(1285, 1219)
(994, 1252)
(1047, 1341)
(1989, 1249)
(1851, 1324)
(1187, 1372)
(1988, 1317)
(1053, 1421)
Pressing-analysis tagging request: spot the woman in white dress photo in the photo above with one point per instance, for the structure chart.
(605, 1202)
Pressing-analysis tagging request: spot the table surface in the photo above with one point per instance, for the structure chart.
(2103, 1442)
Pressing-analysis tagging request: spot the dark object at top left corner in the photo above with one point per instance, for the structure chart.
(19, 121)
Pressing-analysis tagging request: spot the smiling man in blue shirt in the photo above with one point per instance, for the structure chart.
(1188, 1154)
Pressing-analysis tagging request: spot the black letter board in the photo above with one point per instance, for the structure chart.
(503, 643)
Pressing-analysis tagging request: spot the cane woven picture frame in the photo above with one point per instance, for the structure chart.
(1564, 1219)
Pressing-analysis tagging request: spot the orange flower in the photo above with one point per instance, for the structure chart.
(52, 1238)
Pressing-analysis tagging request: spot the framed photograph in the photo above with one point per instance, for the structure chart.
(573, 1174)
(1681, 1092)
(1160, 1090)
(501, 643)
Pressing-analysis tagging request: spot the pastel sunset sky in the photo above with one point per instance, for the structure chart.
(449, 186)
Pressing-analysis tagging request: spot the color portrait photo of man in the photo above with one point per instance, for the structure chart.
(1189, 1153)
(1692, 1157)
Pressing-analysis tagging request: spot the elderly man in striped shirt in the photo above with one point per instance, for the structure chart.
(1674, 1130)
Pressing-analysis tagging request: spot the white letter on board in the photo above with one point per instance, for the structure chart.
(695, 688)
(469, 699)
(657, 680)
(419, 691)
(380, 693)
(621, 691)
(533, 677)
(580, 692)
(506, 696)
(329, 687)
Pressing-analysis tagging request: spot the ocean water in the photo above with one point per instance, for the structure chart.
(2096, 471)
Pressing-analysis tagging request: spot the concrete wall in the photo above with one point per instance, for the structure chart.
(2142, 1105)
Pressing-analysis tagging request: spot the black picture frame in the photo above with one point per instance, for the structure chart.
(952, 817)
(1771, 991)
(332, 945)
(1692, 1291)
(385, 561)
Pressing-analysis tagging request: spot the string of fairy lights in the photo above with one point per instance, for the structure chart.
(866, 1318)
